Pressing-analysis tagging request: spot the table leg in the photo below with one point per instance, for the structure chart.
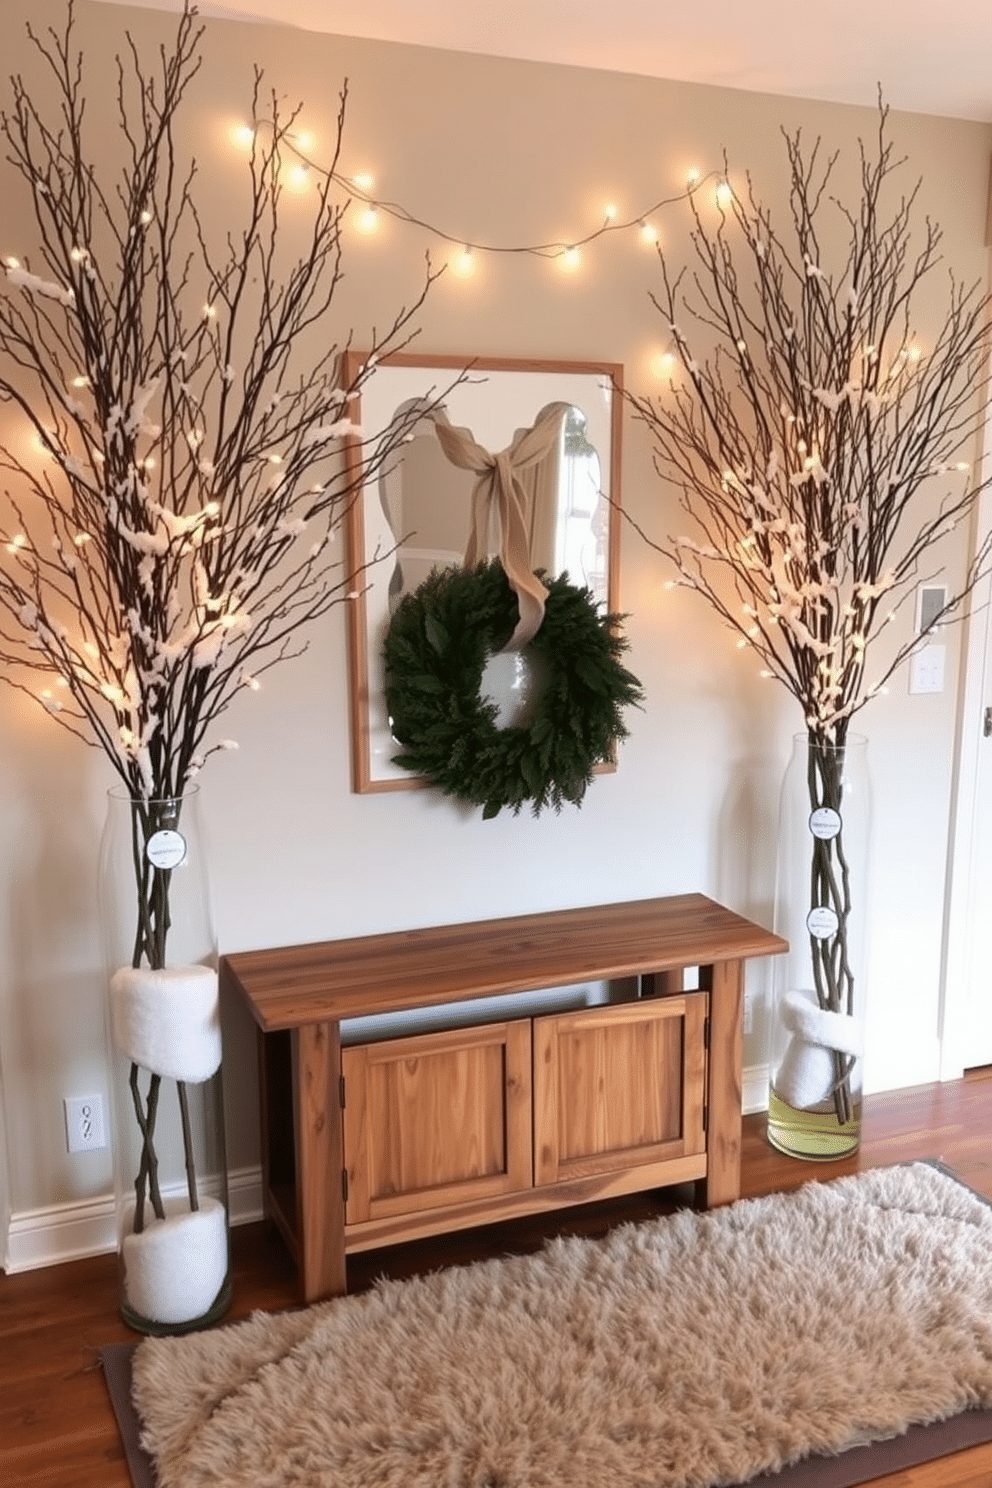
(722, 1183)
(319, 1159)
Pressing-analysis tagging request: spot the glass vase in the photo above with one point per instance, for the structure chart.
(817, 1012)
(167, 1105)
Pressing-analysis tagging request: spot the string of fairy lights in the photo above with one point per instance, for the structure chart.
(567, 254)
(467, 251)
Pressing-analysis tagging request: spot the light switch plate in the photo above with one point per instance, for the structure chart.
(926, 669)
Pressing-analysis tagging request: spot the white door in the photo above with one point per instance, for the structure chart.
(978, 1049)
(966, 1033)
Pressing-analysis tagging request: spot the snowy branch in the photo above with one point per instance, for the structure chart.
(819, 450)
(173, 531)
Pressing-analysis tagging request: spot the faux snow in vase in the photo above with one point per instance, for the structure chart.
(164, 1033)
(817, 1011)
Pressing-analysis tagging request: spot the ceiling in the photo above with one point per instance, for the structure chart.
(929, 56)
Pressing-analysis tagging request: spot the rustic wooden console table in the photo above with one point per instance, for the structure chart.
(388, 1138)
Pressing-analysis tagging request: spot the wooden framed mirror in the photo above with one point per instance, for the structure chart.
(414, 513)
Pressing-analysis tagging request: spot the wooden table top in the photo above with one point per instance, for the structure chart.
(288, 986)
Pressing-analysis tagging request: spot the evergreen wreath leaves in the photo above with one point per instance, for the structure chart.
(435, 651)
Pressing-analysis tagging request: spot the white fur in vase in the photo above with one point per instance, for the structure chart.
(175, 1268)
(808, 1072)
(168, 1020)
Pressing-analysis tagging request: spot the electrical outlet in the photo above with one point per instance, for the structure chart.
(84, 1125)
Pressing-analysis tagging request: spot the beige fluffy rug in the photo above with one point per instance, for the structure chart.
(687, 1352)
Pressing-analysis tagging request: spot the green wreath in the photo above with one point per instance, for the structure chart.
(435, 651)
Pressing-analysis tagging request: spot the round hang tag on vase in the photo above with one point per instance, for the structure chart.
(822, 922)
(825, 823)
(166, 849)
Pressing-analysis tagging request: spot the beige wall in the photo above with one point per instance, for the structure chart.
(506, 152)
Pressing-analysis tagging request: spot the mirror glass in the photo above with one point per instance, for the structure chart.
(418, 510)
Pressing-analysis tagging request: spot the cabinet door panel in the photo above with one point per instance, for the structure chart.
(619, 1087)
(437, 1119)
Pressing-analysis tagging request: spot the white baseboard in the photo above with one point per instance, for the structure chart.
(85, 1227)
(755, 1089)
(67, 1232)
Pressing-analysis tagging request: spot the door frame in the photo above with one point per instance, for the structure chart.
(972, 752)
(4, 1180)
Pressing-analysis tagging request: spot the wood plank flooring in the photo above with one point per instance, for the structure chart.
(57, 1427)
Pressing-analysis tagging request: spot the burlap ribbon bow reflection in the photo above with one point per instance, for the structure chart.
(498, 487)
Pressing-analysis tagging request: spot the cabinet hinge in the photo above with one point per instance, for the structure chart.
(341, 1091)
(344, 1184)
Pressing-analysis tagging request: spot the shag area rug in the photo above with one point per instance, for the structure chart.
(691, 1351)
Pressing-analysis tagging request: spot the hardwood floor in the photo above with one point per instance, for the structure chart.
(56, 1424)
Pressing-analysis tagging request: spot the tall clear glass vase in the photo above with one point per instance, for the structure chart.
(163, 1025)
(817, 1012)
